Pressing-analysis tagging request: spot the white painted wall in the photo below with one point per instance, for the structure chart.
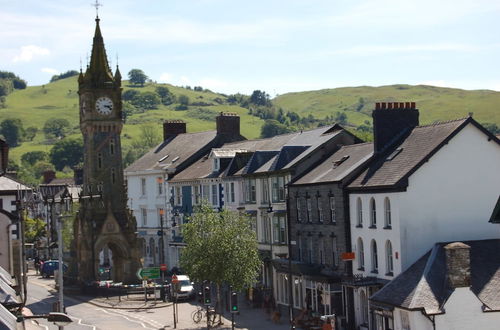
(463, 311)
(451, 197)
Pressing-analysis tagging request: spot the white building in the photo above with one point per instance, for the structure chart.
(425, 184)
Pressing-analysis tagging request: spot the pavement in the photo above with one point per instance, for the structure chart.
(247, 318)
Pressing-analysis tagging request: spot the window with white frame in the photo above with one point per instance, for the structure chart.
(232, 192)
(333, 211)
(216, 164)
(387, 212)
(364, 307)
(279, 229)
(229, 194)
(283, 288)
(266, 222)
(196, 194)
(205, 194)
(320, 208)
(361, 254)
(373, 213)
(215, 195)
(359, 212)
(144, 216)
(178, 196)
(250, 190)
(297, 292)
(159, 181)
(389, 261)
(265, 190)
(278, 185)
(309, 209)
(374, 256)
(143, 186)
(297, 205)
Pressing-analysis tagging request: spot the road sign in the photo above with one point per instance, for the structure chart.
(175, 279)
(150, 273)
(163, 267)
(348, 256)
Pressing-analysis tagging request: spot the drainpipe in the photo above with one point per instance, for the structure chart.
(430, 318)
(289, 234)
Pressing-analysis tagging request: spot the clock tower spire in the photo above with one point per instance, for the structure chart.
(108, 221)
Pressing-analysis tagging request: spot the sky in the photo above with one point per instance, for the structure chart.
(279, 46)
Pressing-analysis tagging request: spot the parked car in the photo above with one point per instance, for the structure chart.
(49, 266)
(185, 288)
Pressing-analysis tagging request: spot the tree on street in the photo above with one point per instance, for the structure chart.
(221, 247)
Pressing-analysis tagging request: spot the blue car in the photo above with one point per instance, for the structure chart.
(49, 266)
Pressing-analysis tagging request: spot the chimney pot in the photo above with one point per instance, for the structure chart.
(458, 264)
(228, 124)
(407, 105)
(377, 106)
(383, 104)
(413, 105)
(48, 176)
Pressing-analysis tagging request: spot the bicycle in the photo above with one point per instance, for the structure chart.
(200, 312)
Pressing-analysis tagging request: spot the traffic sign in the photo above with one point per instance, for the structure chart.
(163, 267)
(175, 279)
(150, 273)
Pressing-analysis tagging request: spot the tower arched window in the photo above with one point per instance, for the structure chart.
(374, 256)
(373, 213)
(389, 261)
(99, 160)
(112, 146)
(361, 254)
(359, 212)
(333, 212)
(387, 213)
(113, 175)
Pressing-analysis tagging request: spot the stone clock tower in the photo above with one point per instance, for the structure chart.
(104, 221)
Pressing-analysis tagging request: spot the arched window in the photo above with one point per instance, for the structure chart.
(112, 146)
(359, 209)
(374, 257)
(373, 213)
(387, 212)
(99, 160)
(389, 261)
(361, 254)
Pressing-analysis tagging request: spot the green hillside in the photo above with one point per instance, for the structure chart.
(35, 105)
(434, 103)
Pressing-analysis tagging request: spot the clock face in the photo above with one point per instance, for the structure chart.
(104, 105)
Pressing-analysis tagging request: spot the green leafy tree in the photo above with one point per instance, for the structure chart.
(146, 101)
(260, 98)
(64, 75)
(40, 167)
(12, 130)
(221, 247)
(137, 77)
(165, 95)
(66, 152)
(492, 127)
(35, 229)
(56, 128)
(130, 94)
(273, 127)
(30, 133)
(31, 157)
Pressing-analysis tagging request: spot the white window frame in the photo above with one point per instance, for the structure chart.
(144, 216)
(361, 254)
(143, 187)
(333, 211)
(389, 258)
(387, 213)
(374, 255)
(373, 213)
(159, 181)
(214, 194)
(359, 212)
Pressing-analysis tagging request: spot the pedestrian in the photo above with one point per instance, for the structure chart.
(37, 264)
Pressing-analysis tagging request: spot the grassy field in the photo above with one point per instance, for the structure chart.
(37, 104)
(434, 103)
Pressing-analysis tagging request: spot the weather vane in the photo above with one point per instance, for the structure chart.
(96, 5)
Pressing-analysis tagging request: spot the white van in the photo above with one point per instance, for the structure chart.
(186, 289)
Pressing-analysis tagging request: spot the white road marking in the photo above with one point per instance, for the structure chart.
(81, 323)
(40, 325)
(115, 312)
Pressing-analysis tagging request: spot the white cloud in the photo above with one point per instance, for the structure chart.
(165, 77)
(27, 53)
(50, 71)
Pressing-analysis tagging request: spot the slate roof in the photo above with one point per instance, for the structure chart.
(336, 167)
(392, 167)
(182, 146)
(424, 285)
(8, 184)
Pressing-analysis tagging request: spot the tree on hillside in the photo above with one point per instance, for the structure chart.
(221, 247)
(165, 95)
(137, 77)
(146, 101)
(183, 102)
(260, 98)
(30, 133)
(130, 94)
(56, 128)
(12, 130)
(67, 74)
(273, 127)
(31, 157)
(67, 152)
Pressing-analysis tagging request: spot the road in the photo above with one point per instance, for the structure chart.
(87, 316)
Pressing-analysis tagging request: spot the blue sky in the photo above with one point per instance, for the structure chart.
(232, 46)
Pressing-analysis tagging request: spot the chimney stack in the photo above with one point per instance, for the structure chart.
(458, 264)
(173, 128)
(228, 124)
(48, 176)
(390, 119)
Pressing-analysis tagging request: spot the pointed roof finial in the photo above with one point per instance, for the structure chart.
(96, 5)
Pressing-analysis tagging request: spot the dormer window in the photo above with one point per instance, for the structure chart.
(216, 164)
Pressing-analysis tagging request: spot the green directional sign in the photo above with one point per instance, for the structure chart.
(150, 273)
